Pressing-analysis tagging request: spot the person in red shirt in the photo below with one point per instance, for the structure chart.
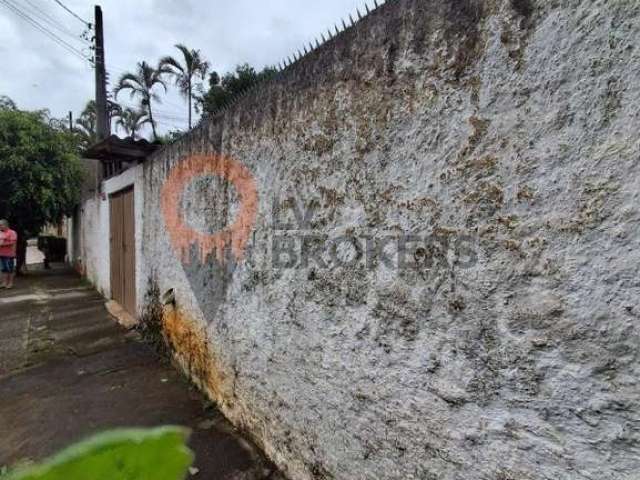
(8, 248)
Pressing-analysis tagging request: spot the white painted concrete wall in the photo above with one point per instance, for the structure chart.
(93, 251)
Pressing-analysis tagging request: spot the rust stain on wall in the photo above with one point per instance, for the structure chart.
(189, 342)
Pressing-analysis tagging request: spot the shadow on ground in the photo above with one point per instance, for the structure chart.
(67, 370)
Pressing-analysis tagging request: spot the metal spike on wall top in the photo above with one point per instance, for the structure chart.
(287, 62)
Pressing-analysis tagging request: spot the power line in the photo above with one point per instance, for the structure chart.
(73, 13)
(170, 110)
(168, 118)
(176, 121)
(157, 107)
(170, 125)
(120, 70)
(70, 48)
(172, 104)
(50, 20)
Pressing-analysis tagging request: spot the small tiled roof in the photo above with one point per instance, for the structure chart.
(124, 149)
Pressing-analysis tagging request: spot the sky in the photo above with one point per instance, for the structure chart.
(39, 73)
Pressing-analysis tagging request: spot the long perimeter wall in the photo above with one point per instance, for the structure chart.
(495, 145)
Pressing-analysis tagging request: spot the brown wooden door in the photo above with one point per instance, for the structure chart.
(122, 249)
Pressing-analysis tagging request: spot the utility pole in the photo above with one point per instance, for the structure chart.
(70, 121)
(102, 121)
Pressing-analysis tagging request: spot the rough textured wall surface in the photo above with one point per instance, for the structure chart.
(513, 123)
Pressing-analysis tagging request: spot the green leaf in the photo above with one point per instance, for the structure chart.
(158, 454)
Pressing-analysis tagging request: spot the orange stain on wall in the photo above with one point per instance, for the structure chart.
(190, 344)
(182, 236)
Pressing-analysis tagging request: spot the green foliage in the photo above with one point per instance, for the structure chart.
(170, 137)
(193, 67)
(158, 454)
(86, 125)
(40, 171)
(222, 90)
(6, 103)
(142, 84)
(187, 71)
(132, 121)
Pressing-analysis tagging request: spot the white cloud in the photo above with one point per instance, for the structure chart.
(38, 73)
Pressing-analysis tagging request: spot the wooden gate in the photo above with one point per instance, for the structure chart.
(122, 249)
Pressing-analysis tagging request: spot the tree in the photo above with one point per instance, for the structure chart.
(142, 84)
(171, 136)
(132, 121)
(6, 103)
(86, 124)
(193, 66)
(40, 173)
(232, 84)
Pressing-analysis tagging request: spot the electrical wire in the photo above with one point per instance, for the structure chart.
(167, 113)
(70, 48)
(171, 110)
(73, 13)
(121, 72)
(50, 20)
(167, 118)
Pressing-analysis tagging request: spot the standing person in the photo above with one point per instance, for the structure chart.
(8, 248)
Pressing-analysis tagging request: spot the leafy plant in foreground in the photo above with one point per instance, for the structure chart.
(157, 454)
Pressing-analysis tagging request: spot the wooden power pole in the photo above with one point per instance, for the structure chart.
(102, 122)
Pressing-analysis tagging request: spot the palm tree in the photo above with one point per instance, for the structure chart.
(86, 125)
(141, 84)
(193, 66)
(113, 110)
(132, 121)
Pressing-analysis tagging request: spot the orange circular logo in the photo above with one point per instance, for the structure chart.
(237, 235)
